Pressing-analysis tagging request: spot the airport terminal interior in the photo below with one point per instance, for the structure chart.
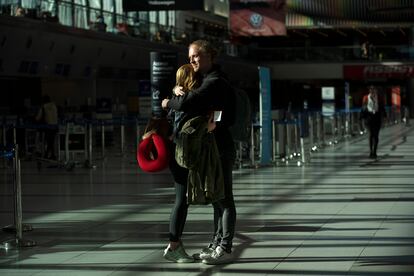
(310, 197)
(341, 214)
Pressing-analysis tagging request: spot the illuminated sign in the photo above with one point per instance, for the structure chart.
(378, 71)
(257, 17)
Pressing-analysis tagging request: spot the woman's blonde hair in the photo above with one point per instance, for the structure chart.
(186, 78)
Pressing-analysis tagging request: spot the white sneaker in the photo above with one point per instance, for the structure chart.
(219, 256)
(178, 255)
(204, 253)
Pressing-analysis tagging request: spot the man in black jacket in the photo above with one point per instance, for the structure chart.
(214, 94)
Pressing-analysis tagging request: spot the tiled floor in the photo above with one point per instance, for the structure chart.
(342, 214)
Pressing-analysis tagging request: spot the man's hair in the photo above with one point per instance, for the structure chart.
(205, 47)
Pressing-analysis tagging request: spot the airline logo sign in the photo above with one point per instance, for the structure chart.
(257, 17)
(378, 71)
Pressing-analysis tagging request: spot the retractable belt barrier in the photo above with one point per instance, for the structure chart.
(297, 135)
(76, 136)
(294, 137)
(18, 227)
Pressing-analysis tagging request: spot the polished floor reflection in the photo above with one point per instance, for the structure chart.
(341, 214)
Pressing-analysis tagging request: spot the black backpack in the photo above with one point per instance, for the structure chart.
(240, 129)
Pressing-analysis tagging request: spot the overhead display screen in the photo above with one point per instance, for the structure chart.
(156, 5)
(257, 17)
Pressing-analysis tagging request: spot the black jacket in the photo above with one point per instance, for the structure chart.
(215, 93)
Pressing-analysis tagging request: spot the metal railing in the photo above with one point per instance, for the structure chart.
(76, 15)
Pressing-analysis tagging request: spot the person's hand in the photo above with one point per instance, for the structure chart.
(164, 103)
(148, 134)
(211, 125)
(178, 91)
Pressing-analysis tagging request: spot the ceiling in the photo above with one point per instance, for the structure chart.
(347, 13)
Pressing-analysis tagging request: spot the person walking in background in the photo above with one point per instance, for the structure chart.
(373, 110)
(214, 93)
(19, 12)
(47, 117)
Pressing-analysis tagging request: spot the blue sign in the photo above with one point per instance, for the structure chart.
(265, 116)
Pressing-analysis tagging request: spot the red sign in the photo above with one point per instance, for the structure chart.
(380, 71)
(257, 17)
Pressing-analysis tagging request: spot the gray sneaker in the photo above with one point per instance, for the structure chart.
(219, 256)
(204, 253)
(178, 255)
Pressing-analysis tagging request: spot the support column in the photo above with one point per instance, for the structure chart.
(410, 82)
(410, 96)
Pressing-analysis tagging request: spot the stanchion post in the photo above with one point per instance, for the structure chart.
(274, 146)
(252, 145)
(303, 152)
(311, 129)
(17, 189)
(318, 134)
(42, 143)
(103, 139)
(85, 141)
(322, 125)
(26, 144)
(90, 143)
(351, 123)
(18, 194)
(282, 129)
(296, 134)
(4, 134)
(334, 128)
(4, 141)
(14, 135)
(137, 132)
(122, 137)
(288, 140)
(58, 146)
(346, 124)
(341, 126)
(67, 128)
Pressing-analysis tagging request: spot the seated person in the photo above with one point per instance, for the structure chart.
(99, 25)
